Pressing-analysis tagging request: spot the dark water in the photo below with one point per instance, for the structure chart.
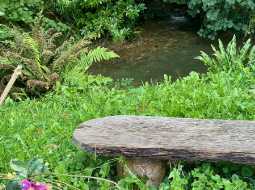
(159, 49)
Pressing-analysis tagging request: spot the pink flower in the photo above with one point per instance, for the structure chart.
(29, 185)
(26, 184)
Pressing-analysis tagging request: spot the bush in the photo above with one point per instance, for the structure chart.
(20, 11)
(117, 18)
(100, 17)
(221, 15)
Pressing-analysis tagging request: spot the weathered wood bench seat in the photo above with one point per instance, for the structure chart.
(156, 139)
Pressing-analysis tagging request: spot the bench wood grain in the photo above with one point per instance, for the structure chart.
(169, 138)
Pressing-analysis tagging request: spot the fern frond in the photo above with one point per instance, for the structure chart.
(6, 67)
(51, 41)
(230, 58)
(245, 50)
(97, 55)
(34, 47)
(71, 53)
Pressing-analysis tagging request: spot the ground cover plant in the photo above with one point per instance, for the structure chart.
(42, 128)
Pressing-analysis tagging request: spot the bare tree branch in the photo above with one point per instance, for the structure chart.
(8, 87)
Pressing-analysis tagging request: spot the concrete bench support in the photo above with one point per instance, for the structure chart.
(153, 170)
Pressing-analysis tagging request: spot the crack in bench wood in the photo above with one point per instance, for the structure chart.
(163, 138)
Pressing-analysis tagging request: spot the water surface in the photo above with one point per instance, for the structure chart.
(159, 49)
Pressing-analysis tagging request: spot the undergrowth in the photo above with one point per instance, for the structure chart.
(118, 18)
(43, 56)
(43, 128)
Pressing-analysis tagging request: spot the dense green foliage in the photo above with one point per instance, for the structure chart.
(232, 58)
(117, 18)
(20, 11)
(218, 15)
(96, 18)
(223, 15)
(100, 16)
(43, 59)
(43, 128)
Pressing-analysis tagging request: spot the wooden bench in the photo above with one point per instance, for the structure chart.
(148, 142)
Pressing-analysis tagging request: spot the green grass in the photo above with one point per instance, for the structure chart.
(43, 128)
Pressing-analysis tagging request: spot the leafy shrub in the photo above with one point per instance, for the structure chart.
(218, 15)
(26, 12)
(54, 24)
(20, 11)
(118, 18)
(99, 17)
(5, 33)
(223, 15)
(251, 28)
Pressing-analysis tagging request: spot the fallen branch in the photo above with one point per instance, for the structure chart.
(8, 87)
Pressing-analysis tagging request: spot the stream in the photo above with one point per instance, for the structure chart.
(158, 49)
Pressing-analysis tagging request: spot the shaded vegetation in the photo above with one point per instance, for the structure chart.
(118, 18)
(43, 128)
(217, 15)
(43, 59)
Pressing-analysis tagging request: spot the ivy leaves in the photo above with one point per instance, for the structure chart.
(222, 15)
(20, 11)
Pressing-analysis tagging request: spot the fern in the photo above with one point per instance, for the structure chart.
(34, 47)
(97, 55)
(251, 26)
(43, 60)
(75, 74)
(70, 54)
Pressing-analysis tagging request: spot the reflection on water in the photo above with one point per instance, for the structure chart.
(158, 50)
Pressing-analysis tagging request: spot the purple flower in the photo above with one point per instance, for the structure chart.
(29, 185)
(26, 184)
